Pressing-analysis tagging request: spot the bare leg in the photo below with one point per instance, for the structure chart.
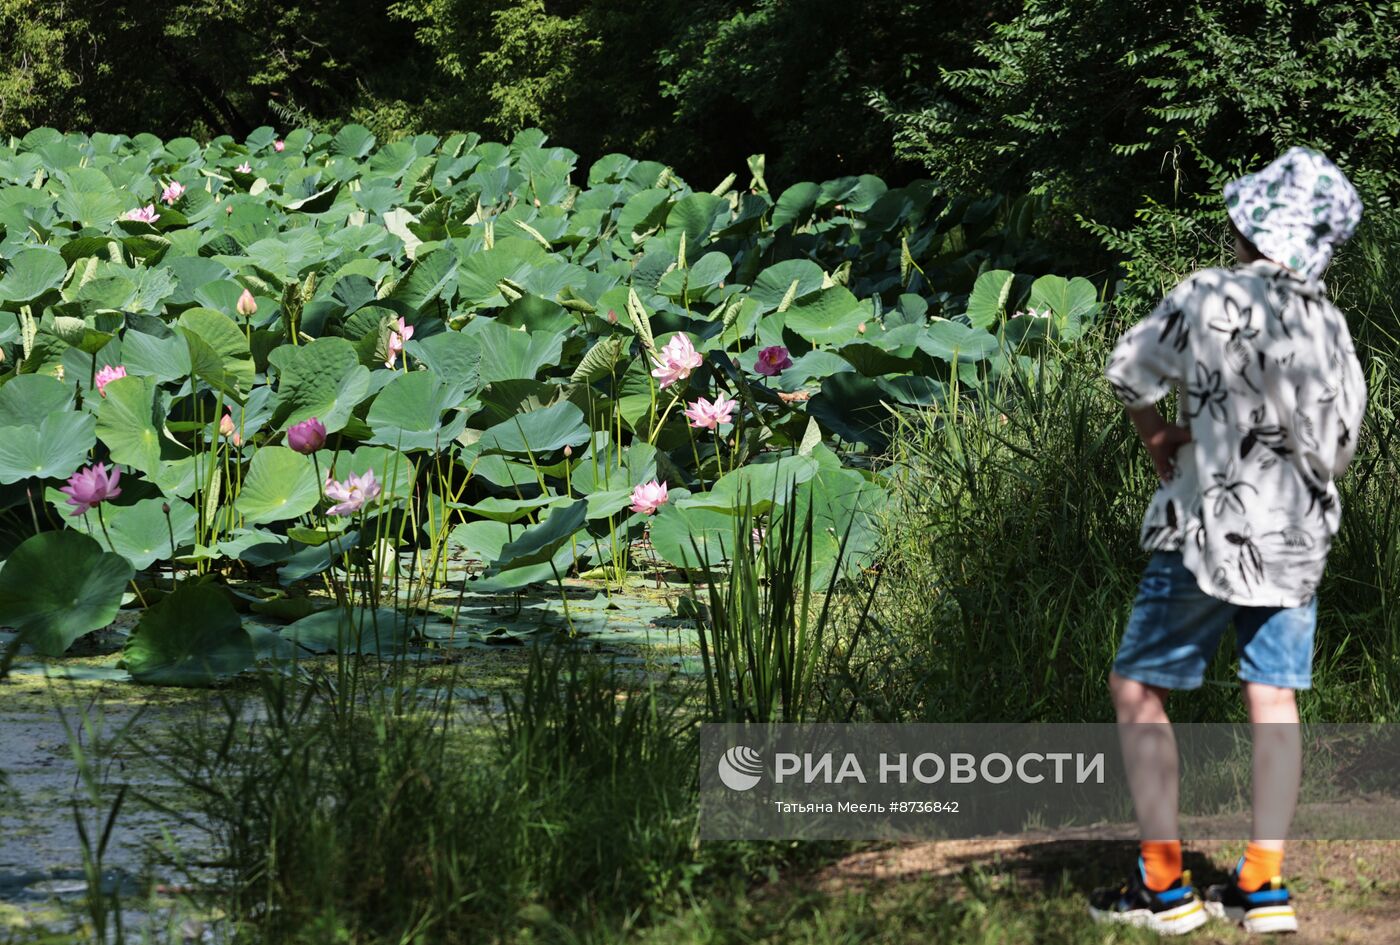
(1278, 761)
(1149, 755)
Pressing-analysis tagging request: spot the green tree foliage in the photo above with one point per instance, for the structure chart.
(1135, 113)
(202, 67)
(700, 84)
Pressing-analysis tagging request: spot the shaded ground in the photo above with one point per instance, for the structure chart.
(1346, 891)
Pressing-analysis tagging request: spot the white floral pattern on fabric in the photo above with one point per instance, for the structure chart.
(1296, 211)
(1271, 388)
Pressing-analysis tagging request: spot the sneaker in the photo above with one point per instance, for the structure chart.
(1175, 910)
(1267, 909)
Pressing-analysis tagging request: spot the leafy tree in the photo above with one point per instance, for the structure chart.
(1134, 113)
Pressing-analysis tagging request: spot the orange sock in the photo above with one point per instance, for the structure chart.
(1260, 866)
(1162, 861)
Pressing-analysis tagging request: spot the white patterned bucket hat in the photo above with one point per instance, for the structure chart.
(1296, 210)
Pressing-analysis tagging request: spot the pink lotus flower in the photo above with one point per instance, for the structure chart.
(244, 168)
(173, 191)
(397, 336)
(307, 437)
(648, 497)
(352, 494)
(88, 487)
(676, 360)
(279, 145)
(107, 375)
(146, 214)
(226, 427)
(246, 306)
(709, 416)
(773, 361)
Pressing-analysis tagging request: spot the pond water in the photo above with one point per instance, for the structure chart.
(83, 705)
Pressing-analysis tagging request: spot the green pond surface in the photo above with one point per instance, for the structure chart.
(49, 707)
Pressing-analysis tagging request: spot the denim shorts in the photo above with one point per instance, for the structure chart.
(1175, 629)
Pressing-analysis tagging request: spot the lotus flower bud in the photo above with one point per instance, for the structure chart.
(247, 306)
(226, 427)
(228, 210)
(165, 507)
(612, 316)
(860, 329)
(568, 451)
(307, 437)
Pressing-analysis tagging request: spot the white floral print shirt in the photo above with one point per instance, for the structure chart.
(1271, 388)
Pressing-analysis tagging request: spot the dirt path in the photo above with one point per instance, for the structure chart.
(1346, 891)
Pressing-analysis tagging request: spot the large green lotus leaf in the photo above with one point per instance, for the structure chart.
(486, 541)
(853, 407)
(31, 274)
(129, 421)
(176, 477)
(281, 484)
(709, 270)
(796, 205)
(83, 334)
(191, 638)
(285, 255)
(165, 357)
(480, 273)
(308, 561)
(643, 213)
(510, 354)
(483, 540)
(219, 353)
(1074, 301)
(52, 450)
(538, 431)
(949, 341)
(323, 379)
(432, 276)
(139, 532)
(549, 571)
(538, 543)
(537, 313)
(696, 215)
(28, 398)
(774, 283)
(352, 141)
(90, 208)
(710, 530)
(56, 586)
(362, 630)
(832, 316)
(453, 357)
(191, 272)
(761, 484)
(843, 502)
(604, 470)
(407, 414)
(987, 302)
(509, 510)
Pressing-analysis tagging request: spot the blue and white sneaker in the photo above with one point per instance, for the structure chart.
(1267, 909)
(1175, 910)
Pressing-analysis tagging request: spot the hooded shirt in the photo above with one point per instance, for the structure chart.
(1271, 388)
